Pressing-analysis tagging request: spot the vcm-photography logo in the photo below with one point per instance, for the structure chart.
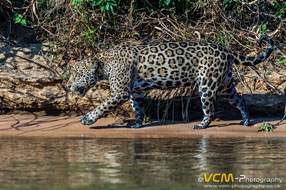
(217, 178)
(229, 178)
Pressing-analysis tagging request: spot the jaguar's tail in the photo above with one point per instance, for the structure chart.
(248, 61)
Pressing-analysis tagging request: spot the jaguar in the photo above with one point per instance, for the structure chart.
(132, 69)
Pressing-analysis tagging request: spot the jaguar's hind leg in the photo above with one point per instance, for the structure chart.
(137, 101)
(228, 92)
(235, 99)
(209, 111)
(207, 99)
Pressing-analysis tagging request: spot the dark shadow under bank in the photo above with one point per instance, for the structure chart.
(259, 105)
(157, 109)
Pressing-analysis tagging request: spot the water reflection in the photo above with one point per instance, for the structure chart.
(89, 162)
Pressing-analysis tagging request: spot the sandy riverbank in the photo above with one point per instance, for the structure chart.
(69, 126)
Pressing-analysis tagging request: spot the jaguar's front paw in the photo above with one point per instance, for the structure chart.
(198, 127)
(134, 125)
(87, 119)
(245, 122)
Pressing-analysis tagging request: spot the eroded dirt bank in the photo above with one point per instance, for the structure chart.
(28, 81)
(69, 127)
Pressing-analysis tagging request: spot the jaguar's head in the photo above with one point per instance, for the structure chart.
(83, 76)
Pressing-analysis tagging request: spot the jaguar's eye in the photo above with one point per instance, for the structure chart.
(81, 91)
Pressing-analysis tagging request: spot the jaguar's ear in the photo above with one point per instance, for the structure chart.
(92, 63)
(95, 63)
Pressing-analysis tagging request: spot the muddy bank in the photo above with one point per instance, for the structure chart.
(69, 127)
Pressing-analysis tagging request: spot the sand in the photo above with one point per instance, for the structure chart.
(69, 127)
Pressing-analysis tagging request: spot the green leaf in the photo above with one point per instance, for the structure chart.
(267, 73)
(146, 119)
(113, 4)
(102, 8)
(91, 32)
(220, 39)
(167, 2)
(111, 8)
(135, 33)
(263, 27)
(160, 3)
(107, 7)
(76, 2)
(23, 22)
(98, 2)
(19, 19)
(282, 61)
(267, 127)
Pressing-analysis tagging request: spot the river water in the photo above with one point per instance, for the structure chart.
(36, 163)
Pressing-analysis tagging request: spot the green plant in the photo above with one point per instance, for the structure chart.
(146, 118)
(266, 127)
(88, 35)
(202, 3)
(81, 11)
(281, 8)
(77, 5)
(18, 18)
(263, 28)
(105, 5)
(228, 4)
(164, 2)
(77, 2)
(249, 43)
(220, 39)
(175, 8)
(267, 73)
(65, 76)
(282, 61)
(231, 6)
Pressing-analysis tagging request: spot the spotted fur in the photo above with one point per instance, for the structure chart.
(133, 68)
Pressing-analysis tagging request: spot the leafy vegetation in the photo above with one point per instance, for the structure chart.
(282, 61)
(18, 18)
(267, 73)
(81, 27)
(146, 119)
(280, 6)
(266, 127)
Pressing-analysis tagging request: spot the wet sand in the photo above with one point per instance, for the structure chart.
(70, 127)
